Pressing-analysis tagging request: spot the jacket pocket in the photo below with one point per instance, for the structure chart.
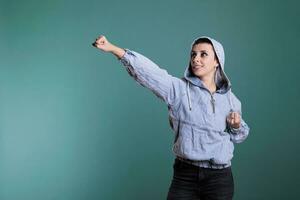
(212, 145)
(184, 140)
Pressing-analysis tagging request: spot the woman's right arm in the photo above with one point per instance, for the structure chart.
(144, 71)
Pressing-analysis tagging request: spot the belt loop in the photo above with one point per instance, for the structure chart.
(210, 164)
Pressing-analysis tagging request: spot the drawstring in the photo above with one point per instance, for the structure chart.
(188, 95)
(230, 101)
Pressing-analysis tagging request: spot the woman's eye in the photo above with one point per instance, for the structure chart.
(203, 54)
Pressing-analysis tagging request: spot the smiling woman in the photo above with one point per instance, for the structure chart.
(204, 63)
(204, 115)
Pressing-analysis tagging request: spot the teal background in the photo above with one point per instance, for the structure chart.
(74, 125)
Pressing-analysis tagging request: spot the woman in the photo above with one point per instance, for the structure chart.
(204, 115)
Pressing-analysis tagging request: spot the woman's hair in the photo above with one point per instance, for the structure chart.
(206, 40)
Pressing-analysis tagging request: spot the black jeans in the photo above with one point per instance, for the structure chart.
(191, 182)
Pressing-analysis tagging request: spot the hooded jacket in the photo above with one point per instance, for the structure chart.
(197, 117)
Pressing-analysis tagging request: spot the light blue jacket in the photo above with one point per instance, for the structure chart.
(197, 117)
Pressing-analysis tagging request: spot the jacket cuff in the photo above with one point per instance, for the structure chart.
(236, 130)
(124, 59)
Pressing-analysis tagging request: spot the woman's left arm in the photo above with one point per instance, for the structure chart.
(238, 135)
(238, 128)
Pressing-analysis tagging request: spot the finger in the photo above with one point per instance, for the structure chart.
(101, 39)
(97, 40)
(236, 121)
(100, 42)
(94, 44)
(236, 114)
(238, 117)
(232, 118)
(229, 118)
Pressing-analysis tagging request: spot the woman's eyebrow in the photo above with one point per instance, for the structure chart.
(200, 51)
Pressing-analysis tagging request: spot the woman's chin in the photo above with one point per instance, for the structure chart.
(199, 74)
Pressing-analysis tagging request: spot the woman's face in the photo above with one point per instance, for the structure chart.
(203, 61)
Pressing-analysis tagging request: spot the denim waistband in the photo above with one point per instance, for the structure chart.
(204, 164)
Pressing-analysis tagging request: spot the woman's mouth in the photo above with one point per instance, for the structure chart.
(196, 67)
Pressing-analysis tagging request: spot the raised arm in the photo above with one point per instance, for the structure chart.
(145, 71)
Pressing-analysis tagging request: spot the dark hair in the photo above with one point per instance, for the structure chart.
(202, 40)
(206, 40)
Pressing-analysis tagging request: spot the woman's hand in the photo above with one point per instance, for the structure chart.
(103, 44)
(234, 120)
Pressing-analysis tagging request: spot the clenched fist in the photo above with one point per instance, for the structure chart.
(234, 120)
(103, 44)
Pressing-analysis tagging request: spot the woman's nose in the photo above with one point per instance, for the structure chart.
(196, 59)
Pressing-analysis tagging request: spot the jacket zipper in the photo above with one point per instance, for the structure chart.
(212, 101)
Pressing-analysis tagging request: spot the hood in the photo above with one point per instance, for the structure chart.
(222, 81)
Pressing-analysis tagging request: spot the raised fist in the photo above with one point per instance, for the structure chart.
(103, 44)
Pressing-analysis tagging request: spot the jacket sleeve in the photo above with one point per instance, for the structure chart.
(240, 134)
(149, 75)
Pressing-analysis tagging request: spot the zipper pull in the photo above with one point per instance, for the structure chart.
(212, 103)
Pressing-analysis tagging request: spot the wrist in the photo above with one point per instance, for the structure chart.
(117, 51)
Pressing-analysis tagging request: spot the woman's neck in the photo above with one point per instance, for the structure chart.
(210, 84)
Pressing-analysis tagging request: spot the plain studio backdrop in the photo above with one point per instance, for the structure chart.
(74, 125)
